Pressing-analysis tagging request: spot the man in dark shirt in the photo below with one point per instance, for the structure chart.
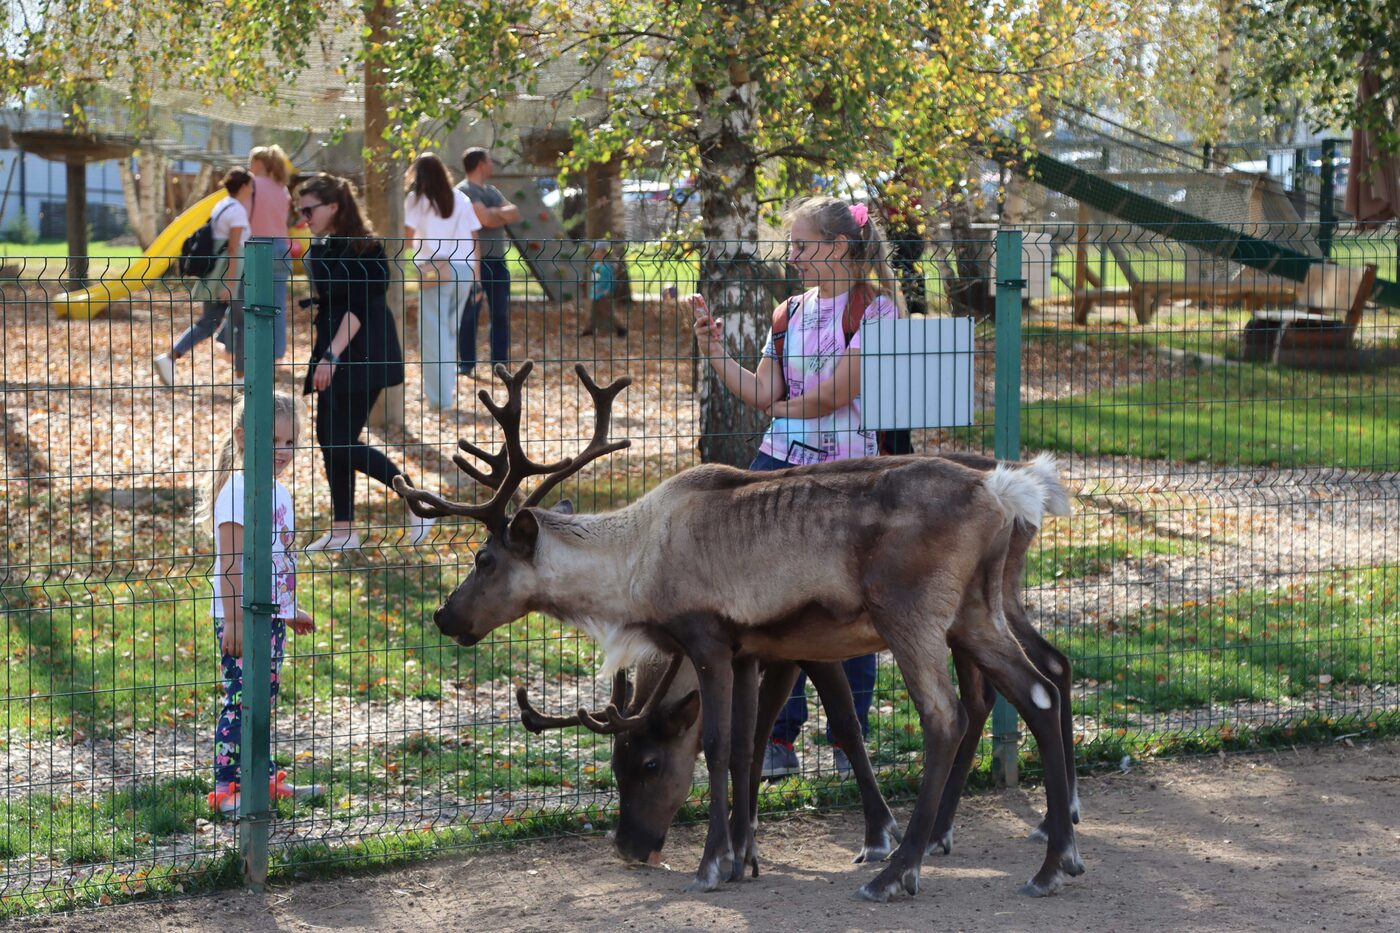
(495, 212)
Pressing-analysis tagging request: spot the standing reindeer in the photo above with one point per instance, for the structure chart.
(658, 738)
(905, 552)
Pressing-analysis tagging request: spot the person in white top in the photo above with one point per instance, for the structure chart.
(444, 223)
(223, 505)
(220, 288)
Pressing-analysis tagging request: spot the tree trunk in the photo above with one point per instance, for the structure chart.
(968, 291)
(383, 194)
(144, 191)
(733, 277)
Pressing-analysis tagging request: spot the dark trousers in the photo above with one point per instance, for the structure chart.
(908, 250)
(860, 672)
(495, 289)
(340, 420)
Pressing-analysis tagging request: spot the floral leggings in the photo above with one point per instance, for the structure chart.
(228, 736)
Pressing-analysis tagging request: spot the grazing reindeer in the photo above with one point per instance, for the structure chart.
(658, 738)
(904, 552)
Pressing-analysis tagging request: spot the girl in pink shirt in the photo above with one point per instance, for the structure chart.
(812, 390)
(267, 217)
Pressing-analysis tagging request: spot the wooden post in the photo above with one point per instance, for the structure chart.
(76, 216)
(1082, 304)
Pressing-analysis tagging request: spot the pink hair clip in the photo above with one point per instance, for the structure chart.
(860, 214)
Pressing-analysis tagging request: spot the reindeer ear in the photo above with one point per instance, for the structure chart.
(682, 715)
(563, 507)
(523, 531)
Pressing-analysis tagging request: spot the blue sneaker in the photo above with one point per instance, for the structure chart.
(843, 764)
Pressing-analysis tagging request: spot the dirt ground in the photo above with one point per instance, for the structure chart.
(1296, 839)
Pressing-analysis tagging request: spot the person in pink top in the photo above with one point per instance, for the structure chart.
(268, 216)
(808, 380)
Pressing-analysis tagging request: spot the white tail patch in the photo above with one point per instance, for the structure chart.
(1039, 697)
(1057, 501)
(1019, 493)
(622, 645)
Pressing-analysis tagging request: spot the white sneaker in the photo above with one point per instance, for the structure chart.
(335, 541)
(165, 368)
(419, 528)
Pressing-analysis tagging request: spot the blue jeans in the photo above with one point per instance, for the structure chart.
(438, 307)
(860, 672)
(234, 332)
(495, 288)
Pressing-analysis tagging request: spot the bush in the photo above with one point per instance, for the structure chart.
(21, 232)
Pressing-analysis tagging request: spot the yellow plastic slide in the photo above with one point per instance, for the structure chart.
(90, 302)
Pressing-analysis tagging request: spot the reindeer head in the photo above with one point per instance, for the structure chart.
(654, 753)
(503, 585)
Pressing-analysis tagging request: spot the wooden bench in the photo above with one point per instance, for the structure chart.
(1313, 333)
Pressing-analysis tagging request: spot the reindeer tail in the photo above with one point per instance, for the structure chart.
(1026, 493)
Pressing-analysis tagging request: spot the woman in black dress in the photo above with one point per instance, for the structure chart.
(356, 354)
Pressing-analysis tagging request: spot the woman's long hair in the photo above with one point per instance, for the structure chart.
(867, 252)
(275, 161)
(229, 456)
(350, 221)
(428, 177)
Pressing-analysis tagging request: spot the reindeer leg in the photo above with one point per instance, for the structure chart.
(1054, 666)
(713, 658)
(773, 692)
(1036, 699)
(741, 767)
(977, 699)
(881, 831)
(922, 654)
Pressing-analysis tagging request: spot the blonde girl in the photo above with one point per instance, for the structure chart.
(808, 380)
(223, 506)
(269, 213)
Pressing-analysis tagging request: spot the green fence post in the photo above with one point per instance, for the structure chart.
(1327, 209)
(259, 314)
(1006, 736)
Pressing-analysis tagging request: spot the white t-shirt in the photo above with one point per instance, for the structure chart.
(228, 507)
(227, 215)
(452, 238)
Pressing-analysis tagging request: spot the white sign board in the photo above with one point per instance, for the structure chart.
(916, 373)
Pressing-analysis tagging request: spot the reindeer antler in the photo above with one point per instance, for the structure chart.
(613, 721)
(511, 466)
(537, 722)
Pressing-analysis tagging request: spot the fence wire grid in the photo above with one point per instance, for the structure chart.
(1229, 575)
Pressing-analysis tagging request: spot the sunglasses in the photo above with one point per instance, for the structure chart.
(306, 212)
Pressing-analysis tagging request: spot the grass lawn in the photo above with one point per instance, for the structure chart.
(1255, 415)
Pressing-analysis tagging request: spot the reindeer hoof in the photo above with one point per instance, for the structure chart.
(1071, 863)
(943, 842)
(889, 882)
(1074, 809)
(1035, 888)
(1038, 834)
(878, 850)
(706, 879)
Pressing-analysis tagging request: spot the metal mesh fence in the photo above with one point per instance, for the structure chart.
(1228, 575)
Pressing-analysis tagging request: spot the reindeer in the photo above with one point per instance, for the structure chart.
(658, 740)
(904, 552)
